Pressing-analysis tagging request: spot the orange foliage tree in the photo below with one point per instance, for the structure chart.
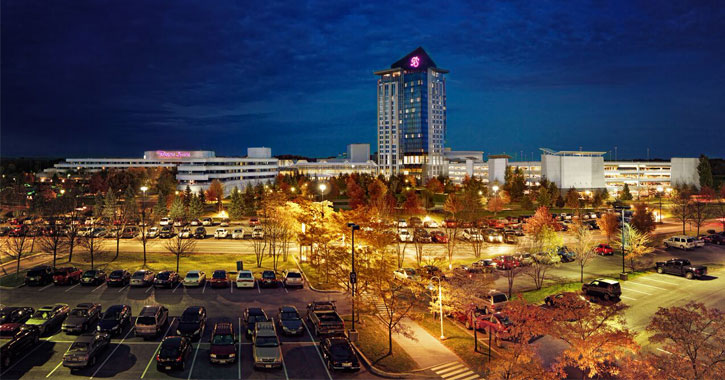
(434, 185)
(642, 218)
(355, 192)
(608, 224)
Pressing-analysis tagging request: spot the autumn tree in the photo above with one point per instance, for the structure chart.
(700, 209)
(179, 247)
(609, 225)
(583, 246)
(355, 192)
(453, 207)
(398, 301)
(572, 199)
(681, 208)
(434, 185)
(642, 219)
(693, 337)
(215, 193)
(543, 197)
(636, 244)
(412, 205)
(543, 248)
(596, 335)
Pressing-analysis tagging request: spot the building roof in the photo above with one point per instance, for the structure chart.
(571, 153)
(416, 60)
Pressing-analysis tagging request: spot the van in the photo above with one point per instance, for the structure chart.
(266, 350)
(151, 321)
(681, 242)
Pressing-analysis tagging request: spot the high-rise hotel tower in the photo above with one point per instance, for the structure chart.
(412, 116)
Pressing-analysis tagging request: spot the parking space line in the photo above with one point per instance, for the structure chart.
(259, 290)
(67, 290)
(122, 288)
(196, 352)
(45, 287)
(636, 291)
(157, 348)
(651, 286)
(21, 359)
(112, 352)
(284, 367)
(239, 350)
(54, 369)
(318, 350)
(177, 287)
(204, 288)
(149, 289)
(285, 290)
(664, 282)
(231, 288)
(98, 287)
(628, 298)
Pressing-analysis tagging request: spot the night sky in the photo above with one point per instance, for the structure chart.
(115, 78)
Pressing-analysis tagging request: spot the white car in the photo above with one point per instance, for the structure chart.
(152, 232)
(206, 222)
(164, 222)
(257, 232)
(681, 242)
(185, 233)
(472, 234)
(221, 233)
(406, 274)
(179, 223)
(402, 223)
(195, 222)
(85, 231)
(405, 236)
(194, 278)
(698, 242)
(292, 277)
(431, 224)
(238, 233)
(245, 279)
(224, 223)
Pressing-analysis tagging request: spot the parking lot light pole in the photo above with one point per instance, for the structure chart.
(322, 188)
(659, 195)
(624, 273)
(353, 274)
(143, 221)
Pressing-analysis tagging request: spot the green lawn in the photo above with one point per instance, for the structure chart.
(11, 280)
(316, 278)
(373, 342)
(458, 341)
(537, 296)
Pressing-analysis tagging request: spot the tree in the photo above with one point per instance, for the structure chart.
(693, 337)
(398, 302)
(626, 194)
(543, 197)
(636, 244)
(700, 209)
(583, 246)
(527, 203)
(598, 198)
(495, 204)
(355, 192)
(572, 199)
(250, 200)
(98, 206)
(196, 207)
(110, 203)
(236, 204)
(179, 247)
(705, 172)
(542, 243)
(95, 246)
(177, 210)
(597, 336)
(53, 241)
(17, 247)
(160, 210)
(412, 205)
(721, 206)
(215, 193)
(643, 219)
(609, 225)
(434, 185)
(453, 208)
(681, 208)
(540, 220)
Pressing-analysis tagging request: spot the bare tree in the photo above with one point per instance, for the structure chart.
(94, 246)
(53, 241)
(398, 302)
(583, 247)
(419, 246)
(511, 273)
(17, 247)
(179, 247)
(453, 206)
(681, 208)
(476, 245)
(699, 213)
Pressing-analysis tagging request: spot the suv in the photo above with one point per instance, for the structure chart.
(223, 347)
(219, 279)
(67, 276)
(16, 341)
(166, 279)
(142, 277)
(292, 277)
(681, 242)
(607, 289)
(152, 319)
(269, 279)
(494, 301)
(83, 316)
(40, 275)
(192, 322)
(266, 350)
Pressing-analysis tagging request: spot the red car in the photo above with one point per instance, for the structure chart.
(254, 221)
(506, 262)
(67, 276)
(473, 317)
(496, 324)
(223, 347)
(450, 223)
(220, 279)
(438, 237)
(604, 250)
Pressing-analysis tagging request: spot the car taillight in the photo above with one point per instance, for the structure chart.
(158, 357)
(178, 359)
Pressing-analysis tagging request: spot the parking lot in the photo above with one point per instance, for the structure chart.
(130, 357)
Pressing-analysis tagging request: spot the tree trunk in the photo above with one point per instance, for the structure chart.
(177, 263)
(55, 254)
(17, 271)
(390, 340)
(581, 274)
(118, 243)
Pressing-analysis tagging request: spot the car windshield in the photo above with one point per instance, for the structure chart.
(410, 272)
(162, 276)
(222, 339)
(289, 316)
(90, 273)
(79, 312)
(146, 321)
(191, 316)
(192, 275)
(294, 275)
(340, 350)
(79, 347)
(112, 315)
(170, 347)
(257, 318)
(34, 273)
(138, 275)
(498, 298)
(266, 341)
(117, 273)
(268, 275)
(245, 275)
(41, 315)
(220, 274)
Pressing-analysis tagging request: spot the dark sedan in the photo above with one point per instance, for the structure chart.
(166, 279)
(16, 340)
(83, 316)
(269, 279)
(339, 354)
(86, 349)
(10, 314)
(173, 353)
(289, 321)
(200, 233)
(115, 319)
(192, 322)
(93, 277)
(119, 277)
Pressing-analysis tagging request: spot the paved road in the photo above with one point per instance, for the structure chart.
(131, 357)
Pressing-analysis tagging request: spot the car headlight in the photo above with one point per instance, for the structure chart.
(232, 355)
(213, 355)
(98, 328)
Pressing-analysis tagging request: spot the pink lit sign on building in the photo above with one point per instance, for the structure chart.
(415, 61)
(175, 154)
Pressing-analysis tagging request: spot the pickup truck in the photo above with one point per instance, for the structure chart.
(324, 318)
(681, 267)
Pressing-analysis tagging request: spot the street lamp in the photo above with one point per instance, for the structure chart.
(322, 188)
(353, 280)
(62, 191)
(494, 188)
(659, 195)
(143, 221)
(440, 300)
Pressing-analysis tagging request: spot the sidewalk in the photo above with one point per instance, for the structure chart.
(424, 348)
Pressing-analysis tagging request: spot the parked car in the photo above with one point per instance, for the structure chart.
(681, 242)
(605, 288)
(152, 232)
(484, 265)
(338, 354)
(173, 353)
(151, 321)
(221, 233)
(192, 322)
(506, 262)
(471, 234)
(179, 223)
(238, 233)
(200, 233)
(223, 348)
(269, 279)
(406, 274)
(699, 242)
(266, 351)
(86, 349)
(93, 277)
(219, 279)
(15, 314)
(67, 276)
(289, 321)
(566, 254)
(254, 222)
(405, 236)
(604, 250)
(681, 267)
(251, 316)
(245, 279)
(402, 223)
(439, 237)
(224, 222)
(39, 275)
(194, 278)
(115, 319)
(292, 277)
(129, 232)
(471, 316)
(164, 222)
(258, 232)
(166, 279)
(119, 277)
(49, 318)
(714, 239)
(494, 301)
(494, 236)
(82, 317)
(185, 233)
(142, 277)
(195, 222)
(99, 232)
(430, 224)
(497, 324)
(16, 341)
(430, 271)
(206, 222)
(167, 232)
(422, 236)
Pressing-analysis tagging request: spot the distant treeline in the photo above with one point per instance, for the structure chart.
(10, 166)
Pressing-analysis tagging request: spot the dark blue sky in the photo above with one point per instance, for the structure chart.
(113, 78)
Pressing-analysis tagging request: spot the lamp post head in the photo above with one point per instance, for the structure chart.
(659, 189)
(494, 188)
(292, 189)
(323, 187)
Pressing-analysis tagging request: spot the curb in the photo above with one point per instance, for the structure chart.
(309, 284)
(379, 372)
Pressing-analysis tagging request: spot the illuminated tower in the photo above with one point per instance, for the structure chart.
(411, 116)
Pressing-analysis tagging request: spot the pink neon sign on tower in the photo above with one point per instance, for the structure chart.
(415, 61)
